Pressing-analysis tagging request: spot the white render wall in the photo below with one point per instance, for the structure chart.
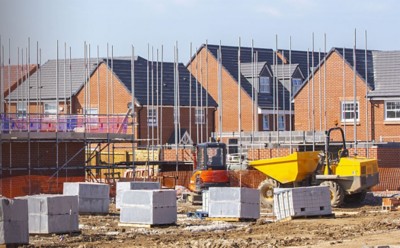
(154, 207)
(53, 213)
(92, 197)
(14, 227)
(234, 202)
(133, 185)
(302, 201)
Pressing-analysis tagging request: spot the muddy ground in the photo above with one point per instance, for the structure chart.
(353, 226)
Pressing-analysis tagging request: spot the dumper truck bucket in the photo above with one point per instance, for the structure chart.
(293, 168)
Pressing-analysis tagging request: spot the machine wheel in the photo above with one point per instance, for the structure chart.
(266, 188)
(355, 198)
(337, 193)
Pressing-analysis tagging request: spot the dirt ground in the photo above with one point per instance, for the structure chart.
(353, 226)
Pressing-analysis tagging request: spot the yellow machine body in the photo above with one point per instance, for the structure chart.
(293, 168)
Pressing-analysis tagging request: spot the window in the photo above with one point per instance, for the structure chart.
(265, 85)
(265, 122)
(50, 108)
(21, 109)
(281, 123)
(348, 111)
(199, 116)
(215, 156)
(91, 111)
(152, 117)
(92, 116)
(296, 83)
(392, 110)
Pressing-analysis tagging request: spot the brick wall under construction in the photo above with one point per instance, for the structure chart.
(38, 171)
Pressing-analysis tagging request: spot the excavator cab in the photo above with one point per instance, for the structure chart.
(209, 167)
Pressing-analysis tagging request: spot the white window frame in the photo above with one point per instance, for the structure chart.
(296, 86)
(49, 112)
(21, 109)
(265, 84)
(200, 116)
(265, 121)
(281, 123)
(396, 110)
(343, 111)
(92, 116)
(152, 117)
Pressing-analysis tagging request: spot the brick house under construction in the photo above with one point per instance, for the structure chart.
(361, 93)
(364, 99)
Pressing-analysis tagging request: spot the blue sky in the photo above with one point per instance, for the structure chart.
(123, 23)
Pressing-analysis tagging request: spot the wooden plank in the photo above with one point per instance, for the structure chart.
(308, 217)
(138, 225)
(229, 219)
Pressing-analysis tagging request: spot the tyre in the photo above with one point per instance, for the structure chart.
(357, 198)
(266, 188)
(337, 193)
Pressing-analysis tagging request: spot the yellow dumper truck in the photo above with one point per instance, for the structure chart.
(348, 178)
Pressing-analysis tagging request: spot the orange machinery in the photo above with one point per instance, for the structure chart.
(209, 167)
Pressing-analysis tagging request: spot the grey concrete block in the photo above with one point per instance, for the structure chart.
(87, 190)
(52, 204)
(148, 215)
(205, 194)
(303, 201)
(53, 213)
(133, 185)
(93, 205)
(234, 194)
(148, 207)
(40, 223)
(92, 197)
(13, 209)
(14, 221)
(155, 198)
(234, 202)
(234, 210)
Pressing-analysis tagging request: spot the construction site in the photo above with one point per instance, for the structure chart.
(220, 152)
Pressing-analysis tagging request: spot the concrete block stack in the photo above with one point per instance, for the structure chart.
(93, 198)
(234, 202)
(53, 214)
(302, 201)
(133, 185)
(149, 207)
(13, 221)
(205, 195)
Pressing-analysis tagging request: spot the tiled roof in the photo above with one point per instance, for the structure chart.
(265, 56)
(386, 73)
(122, 68)
(10, 76)
(300, 58)
(360, 63)
(284, 71)
(42, 83)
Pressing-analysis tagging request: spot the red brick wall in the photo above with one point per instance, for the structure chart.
(43, 164)
(334, 96)
(255, 154)
(183, 154)
(168, 126)
(387, 130)
(229, 93)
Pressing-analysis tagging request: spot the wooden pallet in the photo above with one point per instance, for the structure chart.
(308, 217)
(11, 245)
(230, 219)
(73, 233)
(145, 225)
